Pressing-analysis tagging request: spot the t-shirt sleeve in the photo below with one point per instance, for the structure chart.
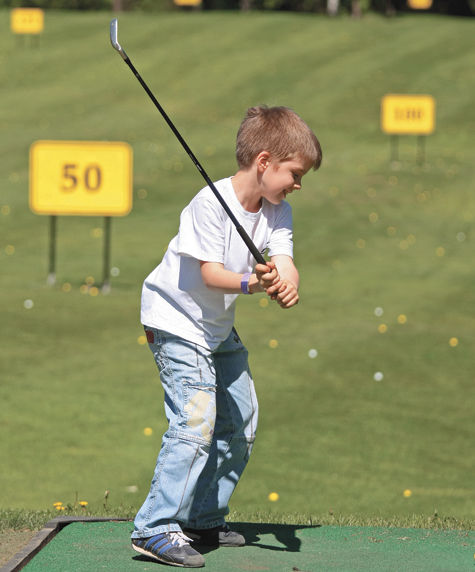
(202, 230)
(280, 240)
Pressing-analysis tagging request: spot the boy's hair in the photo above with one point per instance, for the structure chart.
(278, 130)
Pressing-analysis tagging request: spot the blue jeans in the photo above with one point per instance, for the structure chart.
(211, 407)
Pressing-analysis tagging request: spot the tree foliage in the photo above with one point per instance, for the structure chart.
(354, 7)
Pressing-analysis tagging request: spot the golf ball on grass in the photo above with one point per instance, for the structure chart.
(273, 497)
(378, 376)
(313, 353)
(407, 493)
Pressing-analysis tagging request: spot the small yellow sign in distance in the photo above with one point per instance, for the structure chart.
(81, 178)
(27, 20)
(419, 4)
(408, 114)
(187, 2)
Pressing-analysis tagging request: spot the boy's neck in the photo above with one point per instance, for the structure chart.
(246, 186)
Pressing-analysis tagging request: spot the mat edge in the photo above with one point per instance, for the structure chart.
(45, 535)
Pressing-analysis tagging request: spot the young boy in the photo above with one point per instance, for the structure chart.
(188, 304)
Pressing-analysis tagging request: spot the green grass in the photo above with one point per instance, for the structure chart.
(77, 389)
(21, 519)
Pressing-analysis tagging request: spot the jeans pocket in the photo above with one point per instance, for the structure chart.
(155, 341)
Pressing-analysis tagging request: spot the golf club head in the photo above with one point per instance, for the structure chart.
(114, 40)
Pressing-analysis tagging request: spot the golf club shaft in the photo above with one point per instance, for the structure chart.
(242, 233)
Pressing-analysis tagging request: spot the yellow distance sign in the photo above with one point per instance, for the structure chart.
(81, 178)
(187, 2)
(419, 4)
(408, 114)
(26, 20)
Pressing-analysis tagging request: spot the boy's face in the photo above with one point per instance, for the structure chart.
(280, 178)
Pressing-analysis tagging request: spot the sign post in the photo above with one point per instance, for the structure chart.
(408, 115)
(52, 251)
(80, 178)
(106, 255)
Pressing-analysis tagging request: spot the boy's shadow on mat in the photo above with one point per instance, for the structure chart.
(286, 534)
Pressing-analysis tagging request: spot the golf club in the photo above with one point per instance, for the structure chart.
(243, 234)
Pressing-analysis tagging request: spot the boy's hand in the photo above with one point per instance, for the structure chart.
(268, 278)
(287, 295)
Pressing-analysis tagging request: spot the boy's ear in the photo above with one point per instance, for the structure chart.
(263, 160)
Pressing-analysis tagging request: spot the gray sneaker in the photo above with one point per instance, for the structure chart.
(218, 536)
(171, 548)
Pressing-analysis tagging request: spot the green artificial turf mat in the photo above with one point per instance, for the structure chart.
(105, 546)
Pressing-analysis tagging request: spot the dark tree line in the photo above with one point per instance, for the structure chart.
(332, 7)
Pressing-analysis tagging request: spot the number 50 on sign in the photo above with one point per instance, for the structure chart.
(81, 178)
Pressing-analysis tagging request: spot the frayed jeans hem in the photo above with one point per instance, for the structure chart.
(160, 529)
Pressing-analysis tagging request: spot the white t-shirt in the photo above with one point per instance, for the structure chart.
(174, 297)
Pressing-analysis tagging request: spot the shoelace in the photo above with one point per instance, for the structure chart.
(179, 538)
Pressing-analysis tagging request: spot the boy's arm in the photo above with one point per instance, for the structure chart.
(216, 277)
(286, 294)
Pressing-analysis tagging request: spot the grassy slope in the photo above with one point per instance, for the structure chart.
(77, 390)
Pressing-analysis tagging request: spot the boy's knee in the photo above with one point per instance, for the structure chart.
(200, 412)
(246, 429)
(250, 422)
